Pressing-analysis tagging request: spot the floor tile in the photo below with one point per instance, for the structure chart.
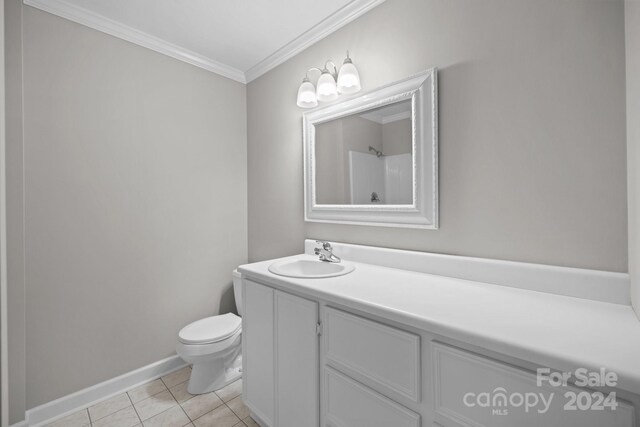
(220, 417)
(108, 407)
(250, 422)
(77, 419)
(126, 417)
(177, 377)
(238, 408)
(230, 391)
(201, 404)
(180, 392)
(174, 417)
(146, 390)
(155, 404)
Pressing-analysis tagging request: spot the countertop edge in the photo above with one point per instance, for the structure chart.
(628, 381)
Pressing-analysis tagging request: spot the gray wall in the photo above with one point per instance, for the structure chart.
(396, 137)
(532, 130)
(329, 162)
(15, 214)
(334, 140)
(135, 202)
(632, 29)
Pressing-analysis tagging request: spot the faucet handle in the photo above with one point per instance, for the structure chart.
(325, 245)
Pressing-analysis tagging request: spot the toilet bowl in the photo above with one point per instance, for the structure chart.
(213, 346)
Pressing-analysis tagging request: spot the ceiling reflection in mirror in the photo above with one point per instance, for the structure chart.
(366, 158)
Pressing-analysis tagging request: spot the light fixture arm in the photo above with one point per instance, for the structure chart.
(335, 69)
(306, 75)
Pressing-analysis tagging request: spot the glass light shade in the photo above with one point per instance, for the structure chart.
(348, 78)
(327, 90)
(307, 95)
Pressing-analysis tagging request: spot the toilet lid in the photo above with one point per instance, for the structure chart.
(211, 329)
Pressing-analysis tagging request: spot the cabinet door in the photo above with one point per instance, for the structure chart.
(472, 390)
(257, 347)
(297, 366)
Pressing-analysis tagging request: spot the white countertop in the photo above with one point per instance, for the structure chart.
(555, 331)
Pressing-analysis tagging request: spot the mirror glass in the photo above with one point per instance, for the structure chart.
(366, 158)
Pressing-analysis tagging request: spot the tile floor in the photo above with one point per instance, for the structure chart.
(165, 402)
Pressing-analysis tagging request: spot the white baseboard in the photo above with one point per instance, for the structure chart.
(595, 285)
(60, 408)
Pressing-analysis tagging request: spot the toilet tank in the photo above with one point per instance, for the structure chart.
(237, 290)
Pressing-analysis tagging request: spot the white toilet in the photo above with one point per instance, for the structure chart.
(214, 346)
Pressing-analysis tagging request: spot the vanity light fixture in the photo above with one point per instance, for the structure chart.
(329, 84)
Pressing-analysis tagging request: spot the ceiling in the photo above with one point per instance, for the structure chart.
(240, 39)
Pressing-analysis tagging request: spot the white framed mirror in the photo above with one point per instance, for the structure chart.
(372, 159)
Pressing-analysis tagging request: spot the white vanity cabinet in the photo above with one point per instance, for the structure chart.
(280, 357)
(309, 363)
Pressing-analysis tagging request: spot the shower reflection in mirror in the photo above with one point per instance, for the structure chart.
(366, 158)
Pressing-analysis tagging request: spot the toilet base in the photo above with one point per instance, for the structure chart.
(213, 375)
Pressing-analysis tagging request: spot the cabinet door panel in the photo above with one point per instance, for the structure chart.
(297, 378)
(469, 391)
(257, 349)
(351, 404)
(373, 353)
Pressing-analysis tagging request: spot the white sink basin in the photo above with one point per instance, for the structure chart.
(310, 269)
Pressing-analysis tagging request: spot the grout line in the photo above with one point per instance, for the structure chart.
(231, 409)
(166, 410)
(150, 396)
(92, 421)
(237, 416)
(165, 384)
(185, 413)
(208, 412)
(119, 410)
(134, 407)
(175, 385)
(89, 416)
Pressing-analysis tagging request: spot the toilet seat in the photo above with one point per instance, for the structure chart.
(205, 351)
(210, 330)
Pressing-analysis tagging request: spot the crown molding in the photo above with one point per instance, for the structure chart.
(316, 33)
(101, 23)
(106, 25)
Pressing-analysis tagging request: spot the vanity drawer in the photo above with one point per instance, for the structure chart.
(386, 357)
(351, 404)
(460, 377)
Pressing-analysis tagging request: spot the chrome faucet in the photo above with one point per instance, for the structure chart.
(326, 252)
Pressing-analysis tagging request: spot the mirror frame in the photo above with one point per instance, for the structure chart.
(423, 212)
